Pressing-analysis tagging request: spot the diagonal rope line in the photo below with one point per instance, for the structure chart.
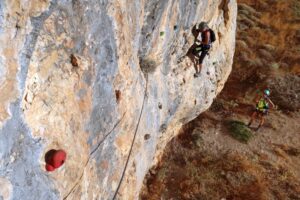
(99, 144)
(104, 138)
(133, 140)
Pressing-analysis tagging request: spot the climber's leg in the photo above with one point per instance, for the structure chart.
(261, 120)
(253, 116)
(195, 62)
(196, 58)
(199, 67)
(201, 58)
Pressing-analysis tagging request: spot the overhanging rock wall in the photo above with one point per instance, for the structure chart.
(125, 94)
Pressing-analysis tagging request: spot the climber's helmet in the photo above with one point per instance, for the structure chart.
(267, 92)
(202, 26)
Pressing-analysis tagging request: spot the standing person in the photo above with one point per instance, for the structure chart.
(263, 103)
(203, 46)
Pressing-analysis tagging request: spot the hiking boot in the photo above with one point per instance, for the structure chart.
(197, 74)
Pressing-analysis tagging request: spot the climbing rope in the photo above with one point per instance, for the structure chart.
(132, 143)
(104, 138)
(92, 152)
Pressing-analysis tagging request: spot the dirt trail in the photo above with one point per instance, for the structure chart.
(205, 161)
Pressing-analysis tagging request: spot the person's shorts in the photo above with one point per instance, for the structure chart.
(200, 54)
(261, 112)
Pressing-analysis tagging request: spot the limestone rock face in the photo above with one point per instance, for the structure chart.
(107, 81)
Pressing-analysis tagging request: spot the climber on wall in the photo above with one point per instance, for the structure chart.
(263, 103)
(203, 46)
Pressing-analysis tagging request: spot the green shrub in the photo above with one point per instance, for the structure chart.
(296, 8)
(275, 65)
(239, 131)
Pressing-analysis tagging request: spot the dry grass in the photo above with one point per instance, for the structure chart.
(196, 174)
(296, 9)
(286, 92)
(265, 47)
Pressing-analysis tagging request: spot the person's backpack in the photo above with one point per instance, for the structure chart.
(212, 36)
(262, 105)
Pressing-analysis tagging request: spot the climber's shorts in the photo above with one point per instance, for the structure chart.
(261, 112)
(202, 56)
(202, 52)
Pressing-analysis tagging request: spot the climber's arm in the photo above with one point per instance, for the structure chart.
(272, 104)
